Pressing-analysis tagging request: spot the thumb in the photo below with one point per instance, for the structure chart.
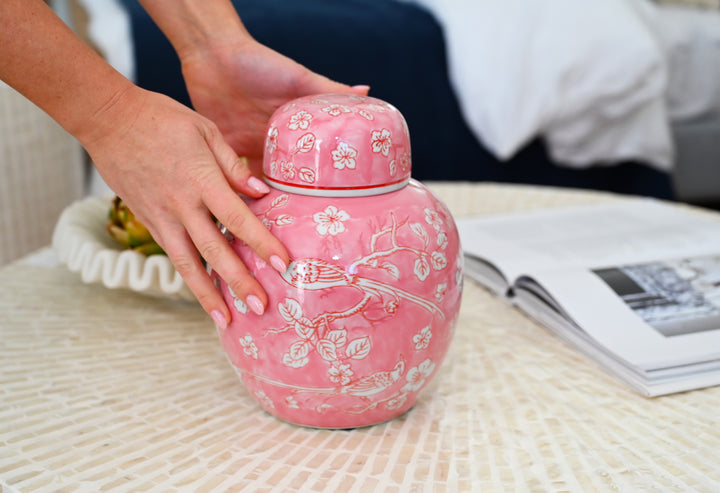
(320, 84)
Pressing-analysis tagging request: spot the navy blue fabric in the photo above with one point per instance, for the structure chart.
(398, 49)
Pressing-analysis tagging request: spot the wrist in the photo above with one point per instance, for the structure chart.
(120, 105)
(198, 28)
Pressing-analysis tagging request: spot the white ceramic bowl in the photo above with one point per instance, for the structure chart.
(84, 246)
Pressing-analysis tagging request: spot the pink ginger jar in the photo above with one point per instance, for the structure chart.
(363, 317)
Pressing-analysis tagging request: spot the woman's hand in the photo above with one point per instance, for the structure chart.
(239, 85)
(175, 171)
(171, 165)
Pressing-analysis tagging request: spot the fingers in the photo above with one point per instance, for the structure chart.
(184, 256)
(218, 253)
(234, 214)
(325, 85)
(317, 84)
(362, 90)
(203, 238)
(200, 237)
(238, 170)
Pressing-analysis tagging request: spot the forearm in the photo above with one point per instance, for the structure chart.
(197, 25)
(44, 60)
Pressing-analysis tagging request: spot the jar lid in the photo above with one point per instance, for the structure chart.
(337, 145)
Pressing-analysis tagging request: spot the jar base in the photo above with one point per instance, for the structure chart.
(370, 424)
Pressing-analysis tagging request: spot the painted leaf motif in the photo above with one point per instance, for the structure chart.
(442, 240)
(304, 328)
(280, 201)
(305, 143)
(418, 229)
(391, 269)
(299, 349)
(283, 220)
(422, 268)
(358, 348)
(291, 310)
(338, 336)
(295, 363)
(307, 175)
(327, 350)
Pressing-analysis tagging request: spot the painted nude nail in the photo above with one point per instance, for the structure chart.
(278, 264)
(219, 319)
(255, 304)
(258, 185)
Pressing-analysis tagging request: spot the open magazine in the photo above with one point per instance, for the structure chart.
(633, 284)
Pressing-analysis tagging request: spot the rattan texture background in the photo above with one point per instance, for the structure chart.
(41, 173)
(106, 390)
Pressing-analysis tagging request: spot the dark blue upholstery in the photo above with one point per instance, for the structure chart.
(398, 49)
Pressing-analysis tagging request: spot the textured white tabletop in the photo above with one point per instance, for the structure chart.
(104, 390)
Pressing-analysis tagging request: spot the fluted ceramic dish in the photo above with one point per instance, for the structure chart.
(85, 247)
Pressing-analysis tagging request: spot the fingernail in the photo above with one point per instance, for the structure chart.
(361, 87)
(255, 304)
(258, 185)
(278, 264)
(219, 319)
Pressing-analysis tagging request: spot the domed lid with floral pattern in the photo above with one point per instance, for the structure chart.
(337, 145)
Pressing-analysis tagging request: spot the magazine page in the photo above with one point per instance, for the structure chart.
(647, 382)
(640, 276)
(618, 232)
(654, 315)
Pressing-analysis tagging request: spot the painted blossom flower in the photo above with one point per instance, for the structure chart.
(366, 114)
(416, 376)
(249, 347)
(440, 291)
(433, 219)
(340, 373)
(438, 260)
(264, 400)
(271, 142)
(336, 109)
(344, 156)
(300, 120)
(405, 161)
(422, 338)
(380, 140)
(287, 169)
(291, 402)
(330, 221)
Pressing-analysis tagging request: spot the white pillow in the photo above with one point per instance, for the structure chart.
(523, 68)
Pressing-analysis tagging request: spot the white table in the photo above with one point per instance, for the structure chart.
(111, 390)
